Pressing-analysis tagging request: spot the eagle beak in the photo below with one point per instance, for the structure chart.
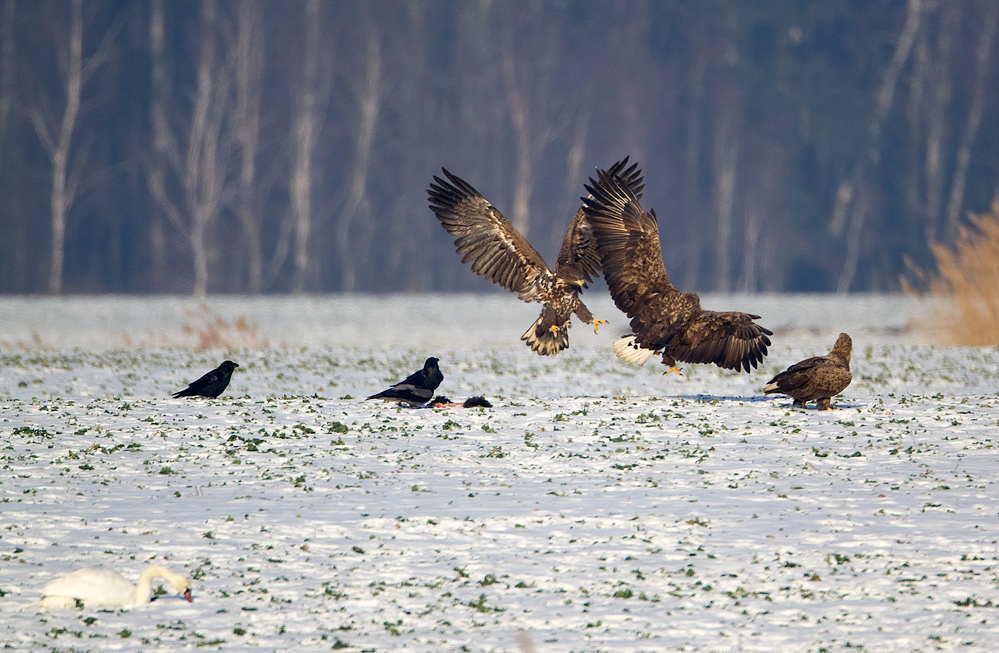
(187, 595)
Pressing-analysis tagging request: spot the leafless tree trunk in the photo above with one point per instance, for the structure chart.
(527, 78)
(983, 56)
(56, 135)
(156, 166)
(206, 163)
(201, 167)
(576, 172)
(884, 98)
(847, 192)
(761, 189)
(408, 55)
(919, 86)
(726, 166)
(693, 156)
(249, 63)
(307, 128)
(937, 137)
(853, 241)
(358, 206)
(523, 179)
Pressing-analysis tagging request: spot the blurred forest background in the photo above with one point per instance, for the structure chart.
(249, 146)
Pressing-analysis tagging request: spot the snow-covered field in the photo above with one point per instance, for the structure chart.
(597, 507)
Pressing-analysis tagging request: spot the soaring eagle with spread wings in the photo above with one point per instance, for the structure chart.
(662, 318)
(498, 252)
(817, 379)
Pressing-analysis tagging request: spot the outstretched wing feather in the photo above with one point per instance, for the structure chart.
(730, 340)
(578, 258)
(484, 236)
(628, 245)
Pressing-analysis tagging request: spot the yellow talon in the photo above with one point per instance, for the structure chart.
(597, 323)
(553, 328)
(675, 370)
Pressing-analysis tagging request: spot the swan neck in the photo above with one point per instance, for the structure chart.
(144, 588)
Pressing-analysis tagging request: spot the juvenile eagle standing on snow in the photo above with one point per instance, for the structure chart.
(498, 252)
(662, 318)
(819, 378)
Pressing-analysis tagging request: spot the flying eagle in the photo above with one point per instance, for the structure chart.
(497, 251)
(819, 378)
(662, 318)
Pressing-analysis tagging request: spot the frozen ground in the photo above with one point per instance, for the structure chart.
(596, 507)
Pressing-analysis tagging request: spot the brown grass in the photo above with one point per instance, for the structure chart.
(967, 281)
(215, 333)
(36, 343)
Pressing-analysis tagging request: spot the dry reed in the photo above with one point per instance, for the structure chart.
(215, 333)
(967, 282)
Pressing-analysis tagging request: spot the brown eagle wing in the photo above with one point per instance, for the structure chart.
(730, 340)
(662, 316)
(628, 244)
(484, 236)
(578, 259)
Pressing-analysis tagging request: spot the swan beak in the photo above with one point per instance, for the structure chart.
(187, 595)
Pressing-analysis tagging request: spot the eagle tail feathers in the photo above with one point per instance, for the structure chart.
(544, 340)
(630, 351)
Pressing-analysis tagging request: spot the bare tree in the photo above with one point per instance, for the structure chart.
(759, 199)
(358, 206)
(849, 204)
(56, 132)
(158, 161)
(940, 96)
(408, 55)
(528, 75)
(725, 154)
(201, 167)
(693, 156)
(725, 170)
(980, 85)
(206, 164)
(576, 169)
(523, 184)
(311, 99)
(248, 53)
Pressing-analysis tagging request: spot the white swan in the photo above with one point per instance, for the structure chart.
(106, 588)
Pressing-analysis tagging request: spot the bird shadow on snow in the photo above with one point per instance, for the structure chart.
(812, 408)
(778, 404)
(741, 399)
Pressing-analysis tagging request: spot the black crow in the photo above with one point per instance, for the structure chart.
(418, 387)
(210, 385)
